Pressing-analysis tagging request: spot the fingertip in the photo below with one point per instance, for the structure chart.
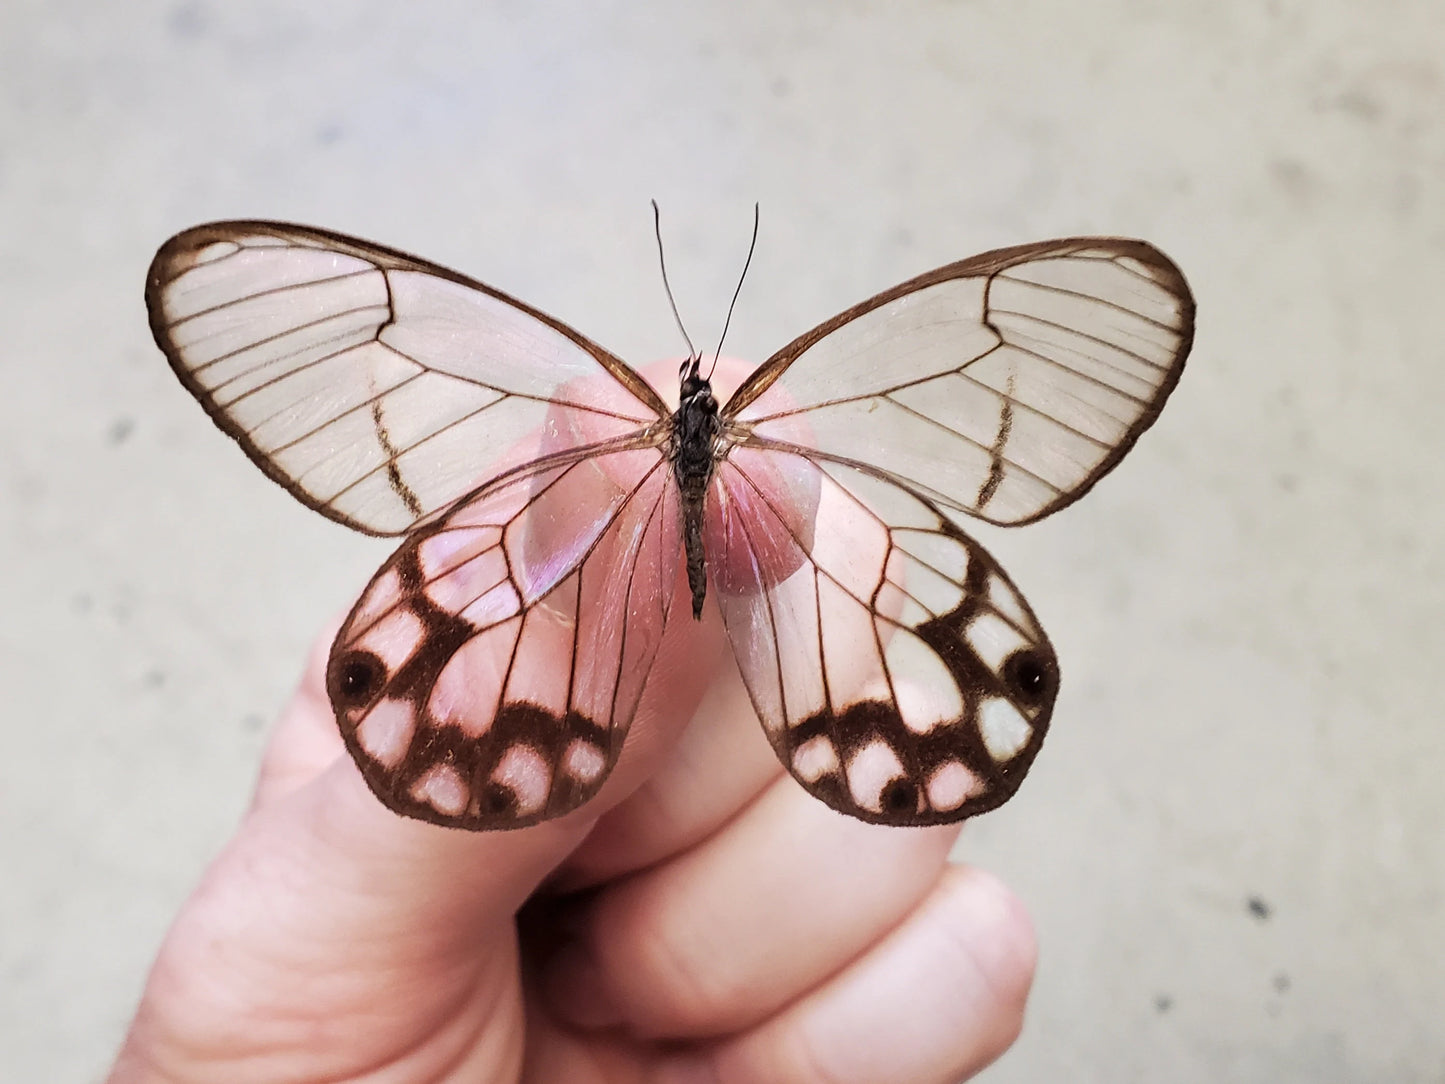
(994, 931)
(938, 999)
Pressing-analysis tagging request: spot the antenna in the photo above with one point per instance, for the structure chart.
(692, 354)
(746, 264)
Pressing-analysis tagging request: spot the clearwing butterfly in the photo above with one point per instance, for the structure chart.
(551, 502)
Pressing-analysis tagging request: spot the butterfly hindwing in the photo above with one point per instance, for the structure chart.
(488, 674)
(899, 675)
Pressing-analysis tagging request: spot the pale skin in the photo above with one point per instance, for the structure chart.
(703, 919)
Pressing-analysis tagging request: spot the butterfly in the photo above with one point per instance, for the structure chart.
(552, 503)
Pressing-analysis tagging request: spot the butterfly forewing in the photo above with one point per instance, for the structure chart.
(1002, 386)
(376, 387)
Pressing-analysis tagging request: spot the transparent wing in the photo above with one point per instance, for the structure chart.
(376, 387)
(488, 675)
(900, 676)
(1003, 386)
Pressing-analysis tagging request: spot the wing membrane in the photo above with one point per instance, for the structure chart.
(376, 387)
(489, 673)
(900, 676)
(1002, 387)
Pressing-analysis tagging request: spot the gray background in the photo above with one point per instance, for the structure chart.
(1248, 611)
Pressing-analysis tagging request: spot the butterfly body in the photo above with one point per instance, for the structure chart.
(550, 502)
(693, 451)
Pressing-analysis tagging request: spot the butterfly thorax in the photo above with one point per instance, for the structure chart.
(695, 427)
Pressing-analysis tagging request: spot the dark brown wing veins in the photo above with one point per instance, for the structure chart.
(695, 426)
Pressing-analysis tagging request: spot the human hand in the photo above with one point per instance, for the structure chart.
(701, 919)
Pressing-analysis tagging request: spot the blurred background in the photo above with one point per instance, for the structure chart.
(1232, 844)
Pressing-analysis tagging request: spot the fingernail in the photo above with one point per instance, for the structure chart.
(577, 992)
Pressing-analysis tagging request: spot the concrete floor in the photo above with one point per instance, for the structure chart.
(1233, 842)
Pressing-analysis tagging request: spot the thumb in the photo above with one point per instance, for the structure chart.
(324, 898)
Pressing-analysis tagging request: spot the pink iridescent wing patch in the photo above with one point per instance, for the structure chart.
(550, 501)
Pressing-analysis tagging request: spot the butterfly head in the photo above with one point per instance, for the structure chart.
(696, 388)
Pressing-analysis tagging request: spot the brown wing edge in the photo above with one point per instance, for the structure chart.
(991, 264)
(177, 255)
